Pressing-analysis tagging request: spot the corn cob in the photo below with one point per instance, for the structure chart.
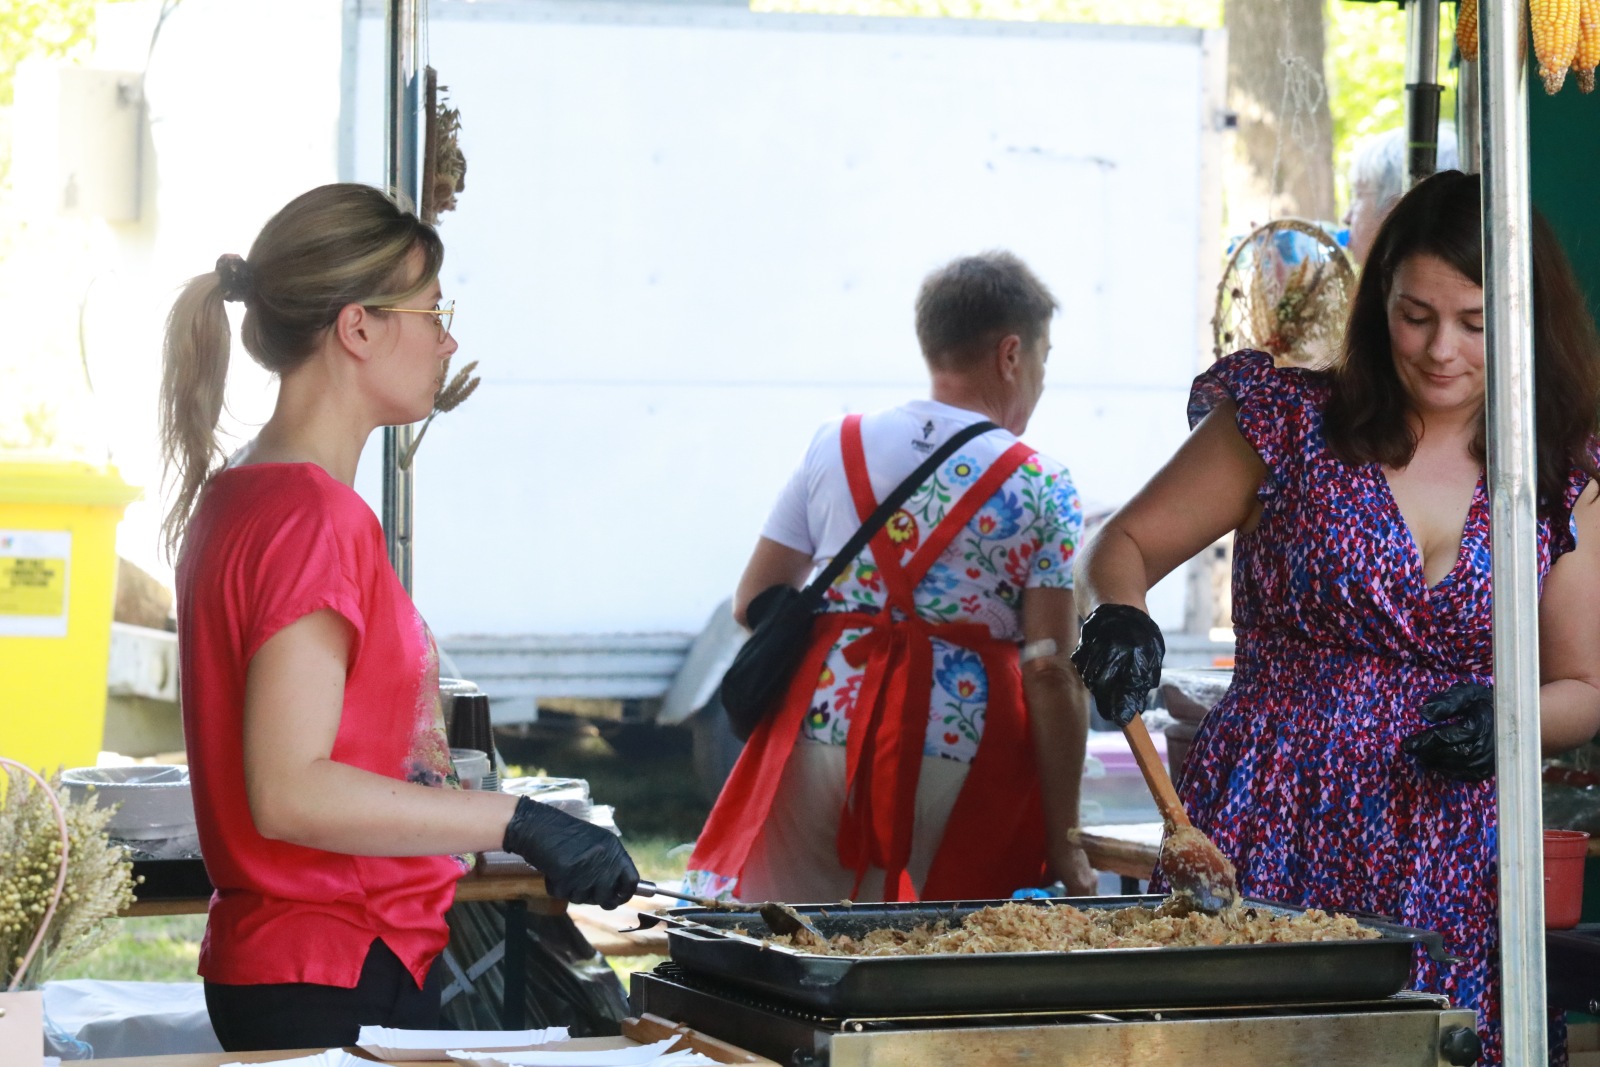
(1588, 56)
(1467, 30)
(1555, 39)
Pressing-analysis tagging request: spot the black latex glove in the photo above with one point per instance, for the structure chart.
(1461, 743)
(1119, 658)
(580, 862)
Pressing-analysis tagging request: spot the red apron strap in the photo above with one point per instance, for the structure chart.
(884, 749)
(855, 467)
(972, 501)
(885, 554)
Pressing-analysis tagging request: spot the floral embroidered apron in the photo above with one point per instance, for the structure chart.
(994, 840)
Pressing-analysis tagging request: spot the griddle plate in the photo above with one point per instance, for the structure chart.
(1099, 979)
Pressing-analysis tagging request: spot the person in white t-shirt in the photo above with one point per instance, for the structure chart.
(931, 744)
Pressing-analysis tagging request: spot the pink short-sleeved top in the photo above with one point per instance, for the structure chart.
(270, 544)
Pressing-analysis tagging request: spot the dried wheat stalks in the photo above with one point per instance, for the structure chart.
(448, 398)
(99, 879)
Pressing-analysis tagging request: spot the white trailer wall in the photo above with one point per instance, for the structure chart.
(689, 235)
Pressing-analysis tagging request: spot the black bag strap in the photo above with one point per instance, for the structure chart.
(890, 505)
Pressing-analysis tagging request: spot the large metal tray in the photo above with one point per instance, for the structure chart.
(705, 941)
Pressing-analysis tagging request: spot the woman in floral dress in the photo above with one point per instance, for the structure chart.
(915, 754)
(1350, 765)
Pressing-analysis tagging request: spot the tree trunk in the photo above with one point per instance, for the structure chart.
(1284, 120)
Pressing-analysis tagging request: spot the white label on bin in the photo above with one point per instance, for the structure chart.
(34, 566)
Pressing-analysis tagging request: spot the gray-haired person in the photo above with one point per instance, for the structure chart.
(1377, 181)
(931, 744)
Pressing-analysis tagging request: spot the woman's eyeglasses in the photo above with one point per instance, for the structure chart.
(442, 314)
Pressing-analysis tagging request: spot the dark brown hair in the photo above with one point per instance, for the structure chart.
(1365, 419)
(970, 303)
(333, 246)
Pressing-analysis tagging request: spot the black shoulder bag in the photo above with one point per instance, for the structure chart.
(781, 614)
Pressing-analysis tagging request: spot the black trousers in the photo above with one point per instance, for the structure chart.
(249, 1018)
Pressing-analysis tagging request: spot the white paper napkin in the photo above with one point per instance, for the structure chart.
(686, 1058)
(334, 1057)
(387, 1043)
(652, 1055)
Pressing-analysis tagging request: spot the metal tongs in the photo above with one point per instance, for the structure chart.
(780, 918)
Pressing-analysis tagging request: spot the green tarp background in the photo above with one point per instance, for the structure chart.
(1564, 157)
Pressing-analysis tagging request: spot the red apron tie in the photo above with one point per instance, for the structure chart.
(888, 732)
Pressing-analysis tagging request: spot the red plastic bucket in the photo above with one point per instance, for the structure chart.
(1564, 855)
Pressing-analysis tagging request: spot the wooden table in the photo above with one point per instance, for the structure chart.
(1131, 849)
(495, 876)
(643, 1030)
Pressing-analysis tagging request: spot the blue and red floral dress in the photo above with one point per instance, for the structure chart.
(1297, 773)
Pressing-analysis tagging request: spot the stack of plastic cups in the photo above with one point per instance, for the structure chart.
(470, 727)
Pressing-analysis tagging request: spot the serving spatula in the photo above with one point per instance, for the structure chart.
(1196, 869)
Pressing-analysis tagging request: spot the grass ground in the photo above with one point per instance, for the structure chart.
(659, 810)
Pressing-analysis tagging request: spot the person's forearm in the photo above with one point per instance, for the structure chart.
(770, 564)
(339, 808)
(1058, 712)
(1112, 571)
(1569, 715)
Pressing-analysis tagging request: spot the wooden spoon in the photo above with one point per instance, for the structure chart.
(1195, 867)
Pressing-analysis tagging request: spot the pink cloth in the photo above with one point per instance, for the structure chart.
(270, 544)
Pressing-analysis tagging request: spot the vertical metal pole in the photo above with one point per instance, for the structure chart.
(1469, 119)
(1508, 303)
(1422, 90)
(402, 174)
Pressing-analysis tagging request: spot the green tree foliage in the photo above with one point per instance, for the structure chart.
(1366, 75)
(40, 28)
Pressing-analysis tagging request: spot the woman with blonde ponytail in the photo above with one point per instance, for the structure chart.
(327, 807)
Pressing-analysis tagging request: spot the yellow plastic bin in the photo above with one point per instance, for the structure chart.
(58, 571)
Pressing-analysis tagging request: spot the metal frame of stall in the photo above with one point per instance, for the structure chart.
(1493, 122)
(405, 51)
(1502, 140)
(1492, 135)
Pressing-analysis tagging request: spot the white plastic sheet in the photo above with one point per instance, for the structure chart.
(117, 1019)
(388, 1043)
(652, 1055)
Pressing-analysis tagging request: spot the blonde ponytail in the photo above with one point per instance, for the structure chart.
(194, 369)
(326, 249)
